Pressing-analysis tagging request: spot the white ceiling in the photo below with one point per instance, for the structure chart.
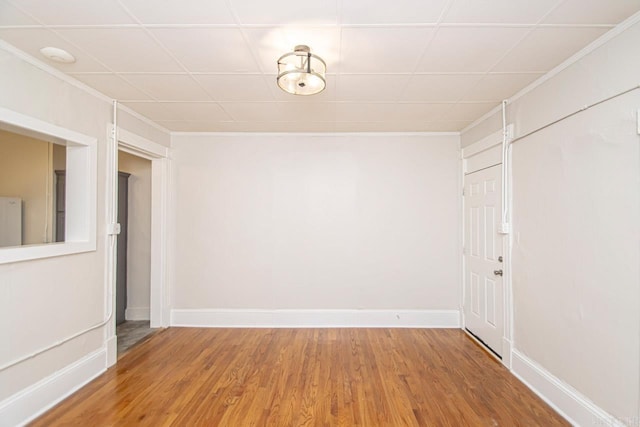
(393, 65)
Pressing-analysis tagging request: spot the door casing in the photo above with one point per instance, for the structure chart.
(485, 153)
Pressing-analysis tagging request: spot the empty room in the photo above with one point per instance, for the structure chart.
(343, 213)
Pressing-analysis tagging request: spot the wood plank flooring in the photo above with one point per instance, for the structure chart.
(305, 377)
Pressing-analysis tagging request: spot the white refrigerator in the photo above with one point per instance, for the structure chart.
(10, 221)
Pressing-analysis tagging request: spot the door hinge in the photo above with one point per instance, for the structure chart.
(463, 191)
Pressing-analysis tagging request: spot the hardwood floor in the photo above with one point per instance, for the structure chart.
(305, 377)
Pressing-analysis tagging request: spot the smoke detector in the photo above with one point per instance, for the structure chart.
(58, 55)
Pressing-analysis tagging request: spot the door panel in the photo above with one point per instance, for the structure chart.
(484, 303)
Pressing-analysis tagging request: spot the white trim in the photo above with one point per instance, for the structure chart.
(483, 160)
(81, 189)
(137, 313)
(484, 144)
(567, 401)
(144, 119)
(223, 134)
(111, 345)
(159, 289)
(160, 164)
(31, 402)
(31, 123)
(316, 318)
(507, 355)
(139, 146)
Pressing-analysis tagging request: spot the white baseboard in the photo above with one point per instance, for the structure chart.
(567, 401)
(507, 354)
(31, 402)
(317, 318)
(137, 313)
(112, 351)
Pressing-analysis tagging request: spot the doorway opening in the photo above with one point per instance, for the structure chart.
(154, 307)
(133, 267)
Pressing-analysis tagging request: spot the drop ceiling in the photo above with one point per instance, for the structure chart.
(400, 65)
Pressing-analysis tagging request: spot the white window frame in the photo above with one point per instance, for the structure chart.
(81, 182)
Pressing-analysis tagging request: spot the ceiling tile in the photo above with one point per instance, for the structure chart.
(439, 87)
(254, 111)
(417, 111)
(368, 112)
(371, 87)
(112, 86)
(182, 12)
(275, 127)
(10, 15)
(190, 126)
(446, 126)
(212, 63)
(469, 49)
(593, 12)
(364, 112)
(151, 110)
(122, 49)
(235, 87)
(208, 49)
(392, 12)
(402, 126)
(180, 111)
(197, 111)
(496, 87)
(75, 12)
(547, 47)
(498, 11)
(308, 111)
(31, 40)
(305, 127)
(269, 44)
(387, 126)
(168, 87)
(467, 111)
(382, 50)
(288, 12)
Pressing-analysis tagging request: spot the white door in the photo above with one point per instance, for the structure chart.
(484, 303)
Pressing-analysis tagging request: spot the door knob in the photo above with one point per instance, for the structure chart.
(497, 272)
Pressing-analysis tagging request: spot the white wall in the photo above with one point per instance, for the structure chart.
(576, 205)
(139, 235)
(47, 300)
(316, 222)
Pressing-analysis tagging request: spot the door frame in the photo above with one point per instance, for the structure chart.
(158, 155)
(160, 201)
(480, 155)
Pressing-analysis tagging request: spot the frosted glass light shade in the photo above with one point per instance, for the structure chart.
(301, 73)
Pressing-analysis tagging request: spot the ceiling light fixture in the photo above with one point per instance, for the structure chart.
(301, 73)
(58, 55)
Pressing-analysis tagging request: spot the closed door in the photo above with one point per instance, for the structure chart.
(484, 303)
